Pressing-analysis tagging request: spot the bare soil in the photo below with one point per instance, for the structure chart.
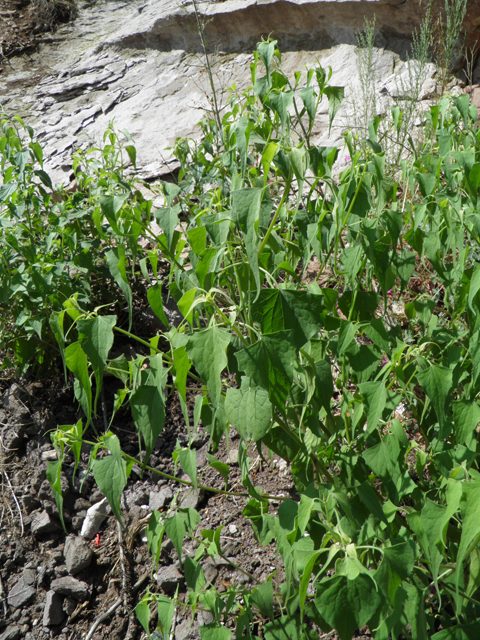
(22, 23)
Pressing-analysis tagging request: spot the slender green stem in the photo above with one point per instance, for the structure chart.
(350, 209)
(244, 310)
(187, 483)
(234, 327)
(297, 439)
(352, 307)
(460, 593)
(147, 344)
(144, 342)
(286, 191)
(208, 67)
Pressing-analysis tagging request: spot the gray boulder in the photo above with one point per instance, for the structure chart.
(12, 632)
(68, 586)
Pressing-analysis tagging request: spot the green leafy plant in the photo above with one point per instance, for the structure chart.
(394, 129)
(367, 388)
(448, 36)
(58, 244)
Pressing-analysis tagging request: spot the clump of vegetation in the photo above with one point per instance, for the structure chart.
(365, 108)
(367, 389)
(393, 132)
(440, 40)
(50, 13)
(58, 245)
(448, 37)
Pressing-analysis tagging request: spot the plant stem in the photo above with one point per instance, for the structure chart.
(236, 494)
(208, 67)
(286, 191)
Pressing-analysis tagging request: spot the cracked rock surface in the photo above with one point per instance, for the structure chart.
(139, 63)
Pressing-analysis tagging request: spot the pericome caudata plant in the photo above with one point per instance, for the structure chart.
(366, 386)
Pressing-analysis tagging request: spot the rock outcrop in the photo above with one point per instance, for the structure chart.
(140, 65)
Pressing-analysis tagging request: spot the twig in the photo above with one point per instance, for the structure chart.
(130, 633)
(131, 629)
(102, 618)
(208, 68)
(123, 596)
(174, 624)
(122, 567)
(2, 598)
(140, 582)
(16, 501)
(80, 607)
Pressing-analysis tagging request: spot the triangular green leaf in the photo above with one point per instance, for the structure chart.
(279, 309)
(148, 411)
(246, 206)
(437, 382)
(270, 364)
(375, 397)
(335, 97)
(76, 361)
(249, 410)
(207, 350)
(177, 525)
(110, 474)
(96, 338)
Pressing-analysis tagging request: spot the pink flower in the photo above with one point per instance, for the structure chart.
(347, 159)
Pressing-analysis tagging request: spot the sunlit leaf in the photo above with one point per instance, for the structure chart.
(347, 605)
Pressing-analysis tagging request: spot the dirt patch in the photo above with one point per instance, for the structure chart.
(34, 556)
(22, 22)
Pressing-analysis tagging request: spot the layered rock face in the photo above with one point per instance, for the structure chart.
(140, 65)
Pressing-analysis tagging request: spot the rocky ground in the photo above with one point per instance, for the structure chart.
(57, 585)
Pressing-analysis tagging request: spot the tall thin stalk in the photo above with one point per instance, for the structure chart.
(449, 32)
(208, 68)
(411, 89)
(366, 74)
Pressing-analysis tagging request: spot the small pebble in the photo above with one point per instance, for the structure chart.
(49, 456)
